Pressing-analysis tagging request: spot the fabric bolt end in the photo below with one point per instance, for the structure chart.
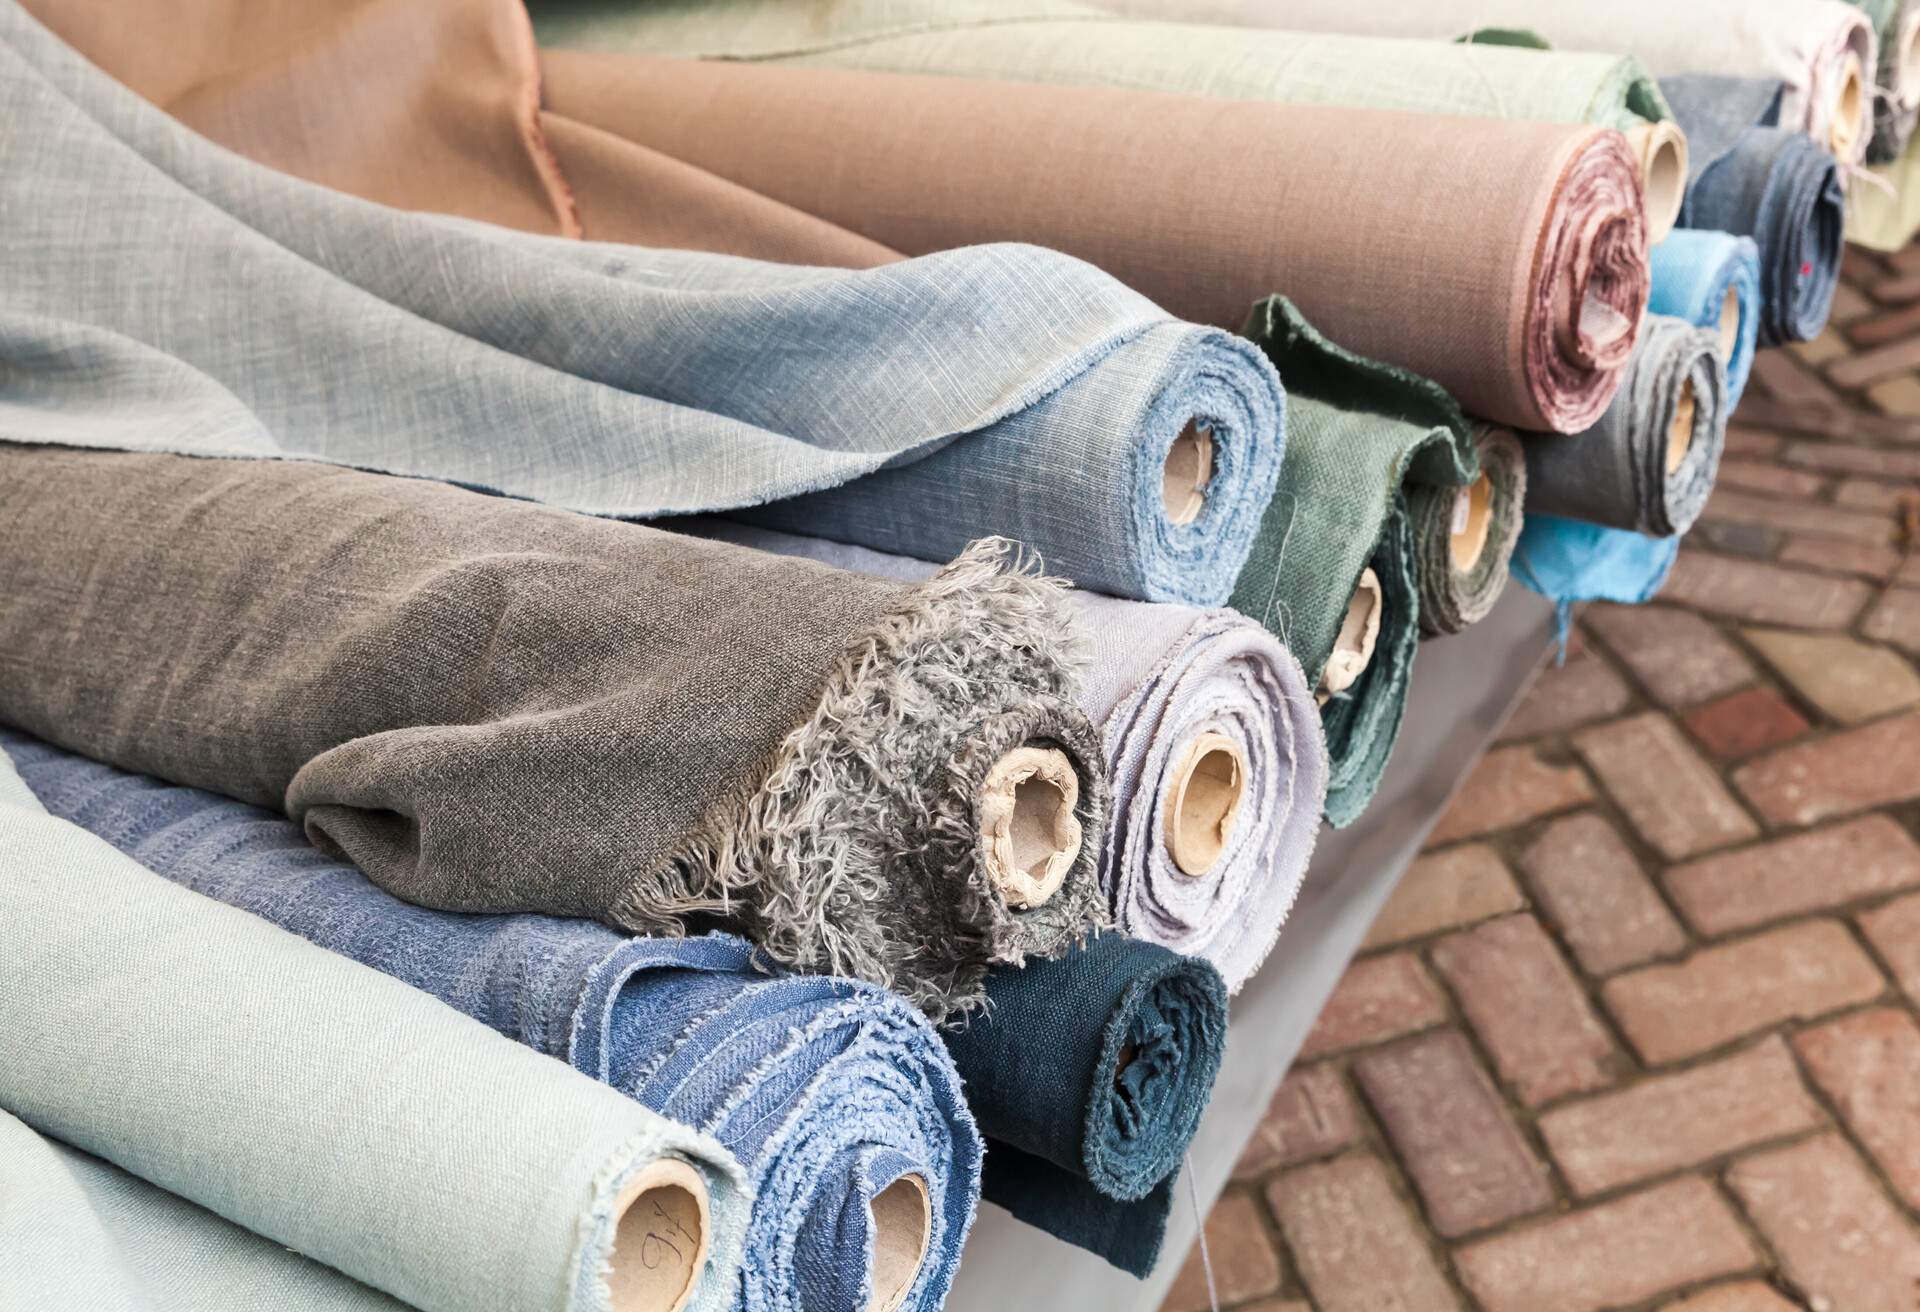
(1464, 538)
(1896, 89)
(1697, 274)
(1362, 722)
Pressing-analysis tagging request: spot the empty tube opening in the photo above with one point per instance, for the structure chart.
(902, 1229)
(1027, 817)
(1729, 326)
(1189, 468)
(1472, 519)
(661, 1239)
(1849, 122)
(1680, 433)
(1353, 646)
(1209, 784)
(1662, 150)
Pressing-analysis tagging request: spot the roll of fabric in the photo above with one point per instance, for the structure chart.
(493, 706)
(281, 1087)
(1649, 464)
(221, 308)
(1770, 185)
(1464, 537)
(1896, 89)
(1042, 41)
(1569, 561)
(1541, 226)
(836, 1097)
(1213, 748)
(1085, 1143)
(1712, 281)
(1823, 50)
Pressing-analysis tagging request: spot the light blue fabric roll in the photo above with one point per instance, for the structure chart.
(1570, 561)
(217, 307)
(831, 1092)
(1694, 271)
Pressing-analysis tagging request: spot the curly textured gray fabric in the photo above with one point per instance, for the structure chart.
(494, 706)
(1451, 598)
(1618, 473)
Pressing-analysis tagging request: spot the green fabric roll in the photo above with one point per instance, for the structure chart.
(1360, 434)
(1489, 514)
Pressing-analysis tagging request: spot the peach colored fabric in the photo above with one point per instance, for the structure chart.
(1505, 260)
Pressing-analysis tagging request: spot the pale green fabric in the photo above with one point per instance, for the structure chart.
(1883, 204)
(1049, 41)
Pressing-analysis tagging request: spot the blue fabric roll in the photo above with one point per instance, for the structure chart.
(1694, 270)
(829, 1091)
(1569, 561)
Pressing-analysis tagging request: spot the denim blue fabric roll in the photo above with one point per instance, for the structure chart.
(219, 308)
(1712, 280)
(1089, 1074)
(835, 1095)
(1569, 561)
(1752, 179)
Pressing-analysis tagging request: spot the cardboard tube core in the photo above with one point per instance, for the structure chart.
(1189, 468)
(1849, 122)
(661, 1239)
(1472, 521)
(1026, 815)
(1662, 150)
(1359, 631)
(1209, 784)
(1680, 432)
(902, 1228)
(1729, 325)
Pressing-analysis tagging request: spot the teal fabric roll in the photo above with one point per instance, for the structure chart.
(1569, 561)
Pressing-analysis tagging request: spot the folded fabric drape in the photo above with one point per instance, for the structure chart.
(1768, 184)
(1649, 464)
(1213, 749)
(280, 1086)
(1540, 226)
(1085, 1143)
(1823, 50)
(1464, 537)
(1883, 213)
(1712, 280)
(837, 1098)
(1042, 41)
(1896, 83)
(1569, 561)
(221, 308)
(493, 706)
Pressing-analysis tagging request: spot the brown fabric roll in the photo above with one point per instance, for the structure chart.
(1505, 260)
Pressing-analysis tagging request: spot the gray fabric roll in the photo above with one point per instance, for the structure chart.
(1464, 537)
(1627, 470)
(493, 706)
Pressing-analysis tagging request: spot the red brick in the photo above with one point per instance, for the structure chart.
(1767, 479)
(1312, 1115)
(1898, 395)
(1836, 423)
(1863, 268)
(1841, 1242)
(1377, 999)
(1357, 1248)
(1591, 888)
(1749, 721)
(1741, 1296)
(1799, 516)
(1581, 691)
(1896, 619)
(1680, 657)
(1446, 890)
(1894, 931)
(1527, 1008)
(1674, 1121)
(1848, 304)
(1787, 380)
(1245, 1264)
(1868, 494)
(1674, 799)
(1509, 786)
(1467, 1158)
(1743, 440)
(1840, 459)
(1762, 593)
(1724, 993)
(1845, 679)
(1276, 1305)
(1814, 871)
(1827, 345)
(1855, 770)
(1617, 1253)
(1840, 557)
(1869, 1065)
(1884, 328)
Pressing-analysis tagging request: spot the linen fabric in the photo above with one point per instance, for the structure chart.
(280, 1086)
(1883, 211)
(489, 705)
(1695, 272)
(1085, 1143)
(221, 308)
(1453, 594)
(1160, 681)
(1625, 472)
(828, 1091)
(1770, 185)
(1541, 227)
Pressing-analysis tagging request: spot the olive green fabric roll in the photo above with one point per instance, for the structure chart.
(1464, 537)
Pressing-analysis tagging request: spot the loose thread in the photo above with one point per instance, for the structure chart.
(1200, 1227)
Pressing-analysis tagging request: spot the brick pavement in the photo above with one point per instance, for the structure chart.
(1641, 1030)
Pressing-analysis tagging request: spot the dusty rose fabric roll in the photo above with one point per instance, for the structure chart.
(1505, 260)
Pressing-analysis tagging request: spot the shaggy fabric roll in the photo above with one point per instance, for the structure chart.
(280, 1086)
(836, 1097)
(1712, 280)
(1650, 462)
(1085, 1142)
(221, 308)
(1464, 537)
(1569, 561)
(1361, 435)
(493, 706)
(1541, 227)
(1771, 185)
(1896, 89)
(1048, 41)
(1214, 752)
